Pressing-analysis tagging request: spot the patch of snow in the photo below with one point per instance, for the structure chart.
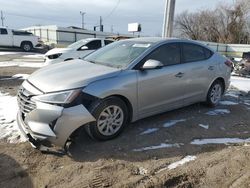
(182, 162)
(172, 123)
(218, 112)
(31, 65)
(228, 103)
(162, 145)
(243, 84)
(204, 126)
(9, 130)
(234, 94)
(219, 141)
(247, 102)
(20, 64)
(21, 76)
(34, 56)
(149, 131)
(9, 53)
(222, 128)
(238, 59)
(17, 76)
(8, 64)
(143, 171)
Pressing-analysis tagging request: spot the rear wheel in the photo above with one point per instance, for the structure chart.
(111, 117)
(26, 46)
(215, 93)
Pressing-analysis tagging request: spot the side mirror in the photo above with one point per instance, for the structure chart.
(152, 64)
(84, 48)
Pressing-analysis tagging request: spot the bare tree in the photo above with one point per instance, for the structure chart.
(226, 24)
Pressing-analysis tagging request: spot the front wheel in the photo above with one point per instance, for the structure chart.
(27, 46)
(111, 117)
(215, 94)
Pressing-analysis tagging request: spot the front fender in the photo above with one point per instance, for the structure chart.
(125, 84)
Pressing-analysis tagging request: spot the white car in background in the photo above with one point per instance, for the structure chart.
(76, 50)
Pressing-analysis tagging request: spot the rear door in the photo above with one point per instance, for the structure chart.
(161, 89)
(199, 71)
(5, 37)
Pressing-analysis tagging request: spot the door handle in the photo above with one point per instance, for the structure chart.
(211, 68)
(179, 75)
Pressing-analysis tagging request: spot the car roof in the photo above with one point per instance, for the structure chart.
(90, 39)
(158, 39)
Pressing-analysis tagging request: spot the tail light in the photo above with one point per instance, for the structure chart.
(229, 64)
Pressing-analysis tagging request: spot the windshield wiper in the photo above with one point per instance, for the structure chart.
(91, 61)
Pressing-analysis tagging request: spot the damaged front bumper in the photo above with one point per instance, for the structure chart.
(48, 124)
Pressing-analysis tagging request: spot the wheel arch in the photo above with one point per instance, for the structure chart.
(75, 132)
(26, 41)
(128, 104)
(222, 80)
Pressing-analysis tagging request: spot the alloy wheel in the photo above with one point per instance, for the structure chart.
(110, 120)
(216, 93)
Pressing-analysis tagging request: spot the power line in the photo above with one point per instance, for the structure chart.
(113, 10)
(44, 19)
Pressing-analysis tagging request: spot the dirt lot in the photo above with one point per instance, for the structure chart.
(141, 156)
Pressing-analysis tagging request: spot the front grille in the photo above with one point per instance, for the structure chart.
(24, 101)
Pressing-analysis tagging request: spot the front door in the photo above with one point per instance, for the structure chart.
(161, 89)
(5, 38)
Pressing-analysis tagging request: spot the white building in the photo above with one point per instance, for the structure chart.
(61, 36)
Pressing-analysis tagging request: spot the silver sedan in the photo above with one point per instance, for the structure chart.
(118, 84)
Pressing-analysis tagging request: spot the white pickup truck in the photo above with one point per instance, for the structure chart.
(15, 38)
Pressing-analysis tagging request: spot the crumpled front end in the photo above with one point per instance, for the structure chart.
(48, 124)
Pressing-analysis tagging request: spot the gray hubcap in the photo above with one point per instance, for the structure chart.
(216, 93)
(110, 120)
(26, 47)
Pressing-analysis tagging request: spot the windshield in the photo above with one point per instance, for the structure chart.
(78, 44)
(118, 54)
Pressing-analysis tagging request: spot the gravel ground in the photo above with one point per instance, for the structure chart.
(140, 157)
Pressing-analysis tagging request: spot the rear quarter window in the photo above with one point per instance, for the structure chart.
(106, 42)
(193, 53)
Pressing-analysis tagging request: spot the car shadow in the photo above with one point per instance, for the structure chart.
(12, 174)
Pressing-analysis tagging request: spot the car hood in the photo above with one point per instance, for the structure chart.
(70, 75)
(58, 50)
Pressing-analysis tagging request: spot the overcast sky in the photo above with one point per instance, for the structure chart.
(24, 13)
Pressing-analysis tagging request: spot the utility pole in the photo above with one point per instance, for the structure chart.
(82, 13)
(101, 26)
(2, 18)
(168, 23)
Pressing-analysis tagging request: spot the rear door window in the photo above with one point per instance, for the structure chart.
(3, 31)
(94, 45)
(193, 53)
(106, 42)
(168, 54)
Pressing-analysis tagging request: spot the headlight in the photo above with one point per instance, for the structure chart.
(54, 56)
(64, 97)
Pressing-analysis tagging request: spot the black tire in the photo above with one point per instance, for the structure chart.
(96, 109)
(210, 102)
(27, 46)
